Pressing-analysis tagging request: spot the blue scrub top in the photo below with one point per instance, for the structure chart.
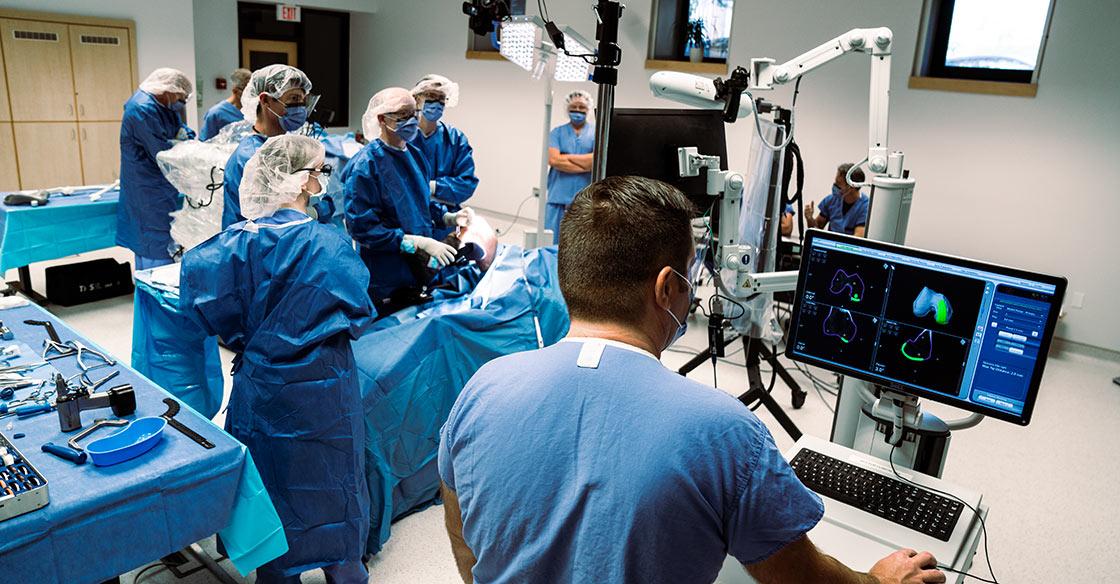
(221, 115)
(832, 207)
(563, 186)
(235, 168)
(451, 163)
(147, 199)
(386, 197)
(622, 471)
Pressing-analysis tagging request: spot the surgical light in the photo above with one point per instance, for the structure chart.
(574, 67)
(521, 41)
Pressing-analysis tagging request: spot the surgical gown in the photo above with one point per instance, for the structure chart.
(146, 199)
(235, 167)
(218, 117)
(451, 163)
(387, 196)
(288, 295)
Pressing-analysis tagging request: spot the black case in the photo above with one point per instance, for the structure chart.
(88, 281)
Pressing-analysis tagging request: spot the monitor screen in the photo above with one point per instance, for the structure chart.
(644, 142)
(961, 332)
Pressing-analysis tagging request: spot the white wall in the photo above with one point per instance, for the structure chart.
(1018, 181)
(215, 49)
(164, 29)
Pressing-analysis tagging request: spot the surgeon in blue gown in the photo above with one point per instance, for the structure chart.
(288, 296)
(151, 123)
(571, 150)
(274, 102)
(389, 209)
(449, 154)
(228, 110)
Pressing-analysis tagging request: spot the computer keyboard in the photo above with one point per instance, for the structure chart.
(887, 497)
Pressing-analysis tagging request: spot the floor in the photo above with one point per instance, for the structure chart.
(1048, 484)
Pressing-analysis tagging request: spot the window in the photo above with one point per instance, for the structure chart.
(680, 26)
(484, 46)
(986, 40)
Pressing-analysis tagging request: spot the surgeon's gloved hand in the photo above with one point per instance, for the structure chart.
(324, 209)
(185, 133)
(463, 218)
(439, 251)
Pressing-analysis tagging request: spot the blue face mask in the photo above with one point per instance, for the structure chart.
(179, 107)
(835, 190)
(433, 111)
(577, 118)
(682, 323)
(294, 119)
(406, 129)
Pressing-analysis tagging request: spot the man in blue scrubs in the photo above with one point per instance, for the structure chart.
(449, 153)
(275, 102)
(152, 121)
(570, 154)
(590, 461)
(228, 110)
(845, 209)
(388, 203)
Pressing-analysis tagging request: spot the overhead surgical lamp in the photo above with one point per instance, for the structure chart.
(525, 42)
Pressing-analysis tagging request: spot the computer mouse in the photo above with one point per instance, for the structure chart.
(32, 198)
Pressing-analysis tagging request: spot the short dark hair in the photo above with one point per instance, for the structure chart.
(857, 174)
(615, 238)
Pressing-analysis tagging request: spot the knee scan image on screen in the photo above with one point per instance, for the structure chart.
(953, 330)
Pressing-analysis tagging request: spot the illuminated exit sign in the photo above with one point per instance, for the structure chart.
(287, 13)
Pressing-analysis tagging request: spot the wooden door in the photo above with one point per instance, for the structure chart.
(102, 71)
(9, 176)
(257, 53)
(48, 154)
(101, 151)
(37, 59)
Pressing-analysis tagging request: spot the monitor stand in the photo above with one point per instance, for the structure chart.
(924, 441)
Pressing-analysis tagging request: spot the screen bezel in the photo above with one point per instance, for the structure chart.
(1022, 419)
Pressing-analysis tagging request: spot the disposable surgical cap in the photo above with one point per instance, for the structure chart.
(167, 80)
(272, 80)
(273, 177)
(438, 84)
(581, 94)
(240, 78)
(386, 101)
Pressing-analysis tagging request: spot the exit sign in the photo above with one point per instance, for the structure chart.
(287, 13)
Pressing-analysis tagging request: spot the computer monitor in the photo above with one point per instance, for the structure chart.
(961, 332)
(644, 142)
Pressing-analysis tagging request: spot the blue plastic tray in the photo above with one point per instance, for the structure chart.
(135, 439)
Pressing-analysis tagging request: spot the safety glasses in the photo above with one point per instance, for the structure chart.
(325, 170)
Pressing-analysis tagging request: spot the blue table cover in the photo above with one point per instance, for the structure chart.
(65, 226)
(413, 363)
(161, 335)
(105, 521)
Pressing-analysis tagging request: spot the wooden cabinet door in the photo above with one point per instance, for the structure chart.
(5, 112)
(48, 154)
(9, 177)
(40, 81)
(101, 151)
(102, 71)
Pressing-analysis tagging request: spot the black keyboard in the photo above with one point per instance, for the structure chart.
(889, 498)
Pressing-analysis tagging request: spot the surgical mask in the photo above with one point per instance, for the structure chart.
(577, 117)
(682, 323)
(836, 190)
(433, 111)
(406, 129)
(293, 119)
(179, 107)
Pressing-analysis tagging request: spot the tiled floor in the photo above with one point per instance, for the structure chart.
(1049, 484)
